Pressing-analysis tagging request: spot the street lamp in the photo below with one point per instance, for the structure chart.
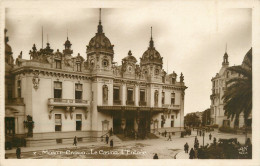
(203, 134)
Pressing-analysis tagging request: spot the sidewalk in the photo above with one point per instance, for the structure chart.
(182, 155)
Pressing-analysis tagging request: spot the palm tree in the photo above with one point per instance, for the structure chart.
(238, 96)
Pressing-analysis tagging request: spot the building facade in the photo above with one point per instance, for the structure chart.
(55, 96)
(218, 89)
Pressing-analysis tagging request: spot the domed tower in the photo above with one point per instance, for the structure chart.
(67, 50)
(151, 61)
(100, 52)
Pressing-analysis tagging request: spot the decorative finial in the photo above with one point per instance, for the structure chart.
(47, 38)
(42, 36)
(226, 47)
(151, 32)
(100, 28)
(99, 15)
(151, 41)
(129, 53)
(67, 35)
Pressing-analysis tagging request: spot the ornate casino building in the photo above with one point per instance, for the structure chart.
(55, 95)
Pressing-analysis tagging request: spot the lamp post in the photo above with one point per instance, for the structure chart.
(203, 134)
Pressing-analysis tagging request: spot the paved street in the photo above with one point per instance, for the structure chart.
(140, 149)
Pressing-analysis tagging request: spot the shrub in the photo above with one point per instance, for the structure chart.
(227, 129)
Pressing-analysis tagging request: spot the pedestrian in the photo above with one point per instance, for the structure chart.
(186, 148)
(111, 143)
(210, 136)
(192, 153)
(165, 133)
(197, 131)
(199, 152)
(18, 152)
(196, 139)
(111, 131)
(75, 141)
(215, 141)
(170, 137)
(200, 132)
(155, 156)
(107, 138)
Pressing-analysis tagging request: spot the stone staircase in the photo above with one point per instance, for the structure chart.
(116, 140)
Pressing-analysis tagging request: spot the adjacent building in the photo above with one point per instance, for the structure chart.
(218, 89)
(55, 96)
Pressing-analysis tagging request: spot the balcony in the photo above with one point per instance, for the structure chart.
(172, 106)
(68, 102)
(142, 103)
(14, 101)
(129, 102)
(117, 102)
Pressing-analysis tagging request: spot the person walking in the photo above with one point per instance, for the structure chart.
(111, 143)
(18, 152)
(155, 156)
(107, 138)
(165, 133)
(170, 137)
(75, 141)
(111, 131)
(215, 141)
(191, 154)
(186, 148)
(210, 136)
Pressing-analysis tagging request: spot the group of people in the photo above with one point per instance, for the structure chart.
(196, 151)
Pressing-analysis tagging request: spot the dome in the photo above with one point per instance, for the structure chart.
(130, 57)
(100, 41)
(151, 55)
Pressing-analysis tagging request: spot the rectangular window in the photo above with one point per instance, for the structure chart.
(58, 64)
(172, 116)
(163, 96)
(172, 98)
(130, 94)
(57, 90)
(78, 122)
(116, 94)
(78, 66)
(172, 123)
(163, 79)
(162, 124)
(142, 95)
(58, 123)
(19, 89)
(78, 92)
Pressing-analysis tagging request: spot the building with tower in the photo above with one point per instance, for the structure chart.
(55, 96)
(218, 89)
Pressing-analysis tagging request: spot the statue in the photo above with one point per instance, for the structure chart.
(156, 98)
(181, 78)
(105, 93)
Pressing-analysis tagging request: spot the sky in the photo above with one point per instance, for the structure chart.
(192, 39)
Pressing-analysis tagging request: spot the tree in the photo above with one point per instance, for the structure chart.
(238, 96)
(192, 119)
(206, 117)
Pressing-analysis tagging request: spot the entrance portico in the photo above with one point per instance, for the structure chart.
(130, 120)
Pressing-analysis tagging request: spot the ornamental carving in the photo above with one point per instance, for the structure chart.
(36, 81)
